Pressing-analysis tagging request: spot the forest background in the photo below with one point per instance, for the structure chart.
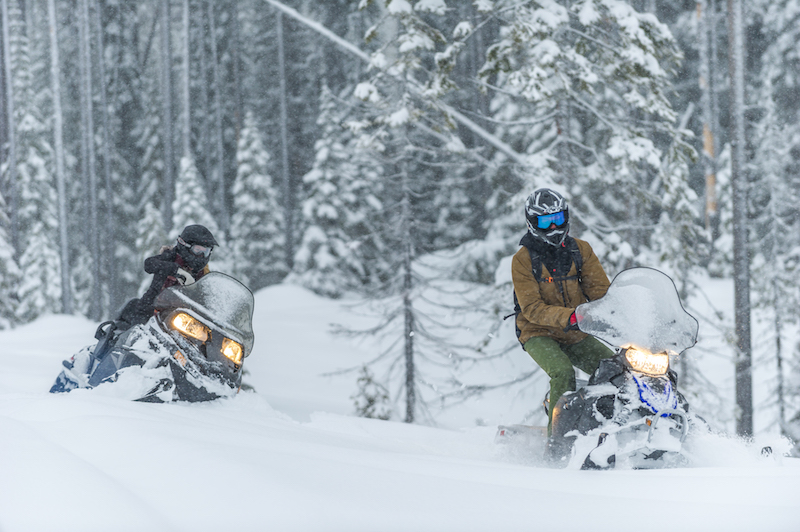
(342, 144)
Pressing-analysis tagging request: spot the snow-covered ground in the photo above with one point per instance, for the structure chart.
(291, 457)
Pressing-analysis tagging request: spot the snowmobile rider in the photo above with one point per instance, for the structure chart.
(183, 263)
(569, 273)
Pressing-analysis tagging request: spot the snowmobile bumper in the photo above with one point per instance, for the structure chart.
(680, 414)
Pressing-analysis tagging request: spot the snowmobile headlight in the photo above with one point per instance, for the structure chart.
(646, 362)
(189, 326)
(232, 350)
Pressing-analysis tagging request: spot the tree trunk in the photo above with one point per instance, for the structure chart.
(3, 99)
(205, 142)
(713, 75)
(741, 260)
(109, 233)
(58, 133)
(781, 399)
(705, 19)
(219, 176)
(288, 199)
(187, 117)
(408, 312)
(166, 116)
(88, 158)
(11, 160)
(237, 70)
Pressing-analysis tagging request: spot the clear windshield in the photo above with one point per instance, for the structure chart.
(641, 308)
(221, 300)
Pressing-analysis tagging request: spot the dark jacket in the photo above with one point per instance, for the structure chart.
(164, 267)
(547, 305)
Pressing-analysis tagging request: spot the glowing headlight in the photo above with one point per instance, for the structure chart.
(232, 350)
(647, 362)
(189, 326)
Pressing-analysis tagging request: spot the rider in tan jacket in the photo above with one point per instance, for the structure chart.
(569, 273)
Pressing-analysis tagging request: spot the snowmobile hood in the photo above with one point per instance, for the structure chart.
(641, 308)
(220, 301)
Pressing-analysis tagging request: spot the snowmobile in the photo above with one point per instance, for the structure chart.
(192, 348)
(629, 411)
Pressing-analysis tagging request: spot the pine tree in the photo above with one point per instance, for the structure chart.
(191, 207)
(410, 137)
(130, 102)
(151, 237)
(256, 231)
(40, 288)
(372, 398)
(10, 275)
(151, 233)
(777, 255)
(337, 252)
(775, 164)
(583, 90)
(191, 204)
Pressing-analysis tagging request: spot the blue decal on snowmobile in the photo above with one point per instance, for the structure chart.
(655, 400)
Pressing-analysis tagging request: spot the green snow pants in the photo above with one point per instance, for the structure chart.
(558, 359)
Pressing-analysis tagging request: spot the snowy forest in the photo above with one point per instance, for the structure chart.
(344, 144)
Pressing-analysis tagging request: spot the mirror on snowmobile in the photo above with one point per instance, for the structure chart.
(641, 308)
(218, 298)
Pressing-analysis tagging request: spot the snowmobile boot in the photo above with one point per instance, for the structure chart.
(65, 382)
(557, 451)
(75, 373)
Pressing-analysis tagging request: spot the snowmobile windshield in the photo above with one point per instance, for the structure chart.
(641, 309)
(219, 300)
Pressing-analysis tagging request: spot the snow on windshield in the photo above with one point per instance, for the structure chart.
(220, 298)
(641, 308)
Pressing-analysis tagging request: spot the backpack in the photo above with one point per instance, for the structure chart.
(536, 266)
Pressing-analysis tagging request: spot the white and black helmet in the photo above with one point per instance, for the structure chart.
(547, 216)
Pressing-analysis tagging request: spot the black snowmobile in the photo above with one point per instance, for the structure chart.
(630, 410)
(192, 349)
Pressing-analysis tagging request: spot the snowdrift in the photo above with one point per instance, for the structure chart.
(289, 456)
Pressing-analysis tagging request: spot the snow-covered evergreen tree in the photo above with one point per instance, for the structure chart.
(337, 252)
(776, 240)
(256, 232)
(583, 89)
(10, 274)
(151, 237)
(191, 200)
(679, 243)
(151, 232)
(37, 216)
(773, 197)
(191, 207)
(410, 135)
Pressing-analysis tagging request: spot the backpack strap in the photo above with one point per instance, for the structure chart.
(577, 258)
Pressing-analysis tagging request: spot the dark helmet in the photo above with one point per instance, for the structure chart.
(195, 245)
(544, 209)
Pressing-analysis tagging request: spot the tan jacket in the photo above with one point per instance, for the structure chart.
(544, 310)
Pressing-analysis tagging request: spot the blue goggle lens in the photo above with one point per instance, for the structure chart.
(546, 220)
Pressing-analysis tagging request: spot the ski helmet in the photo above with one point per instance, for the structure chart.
(547, 216)
(195, 245)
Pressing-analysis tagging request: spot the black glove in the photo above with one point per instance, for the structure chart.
(166, 268)
(573, 323)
